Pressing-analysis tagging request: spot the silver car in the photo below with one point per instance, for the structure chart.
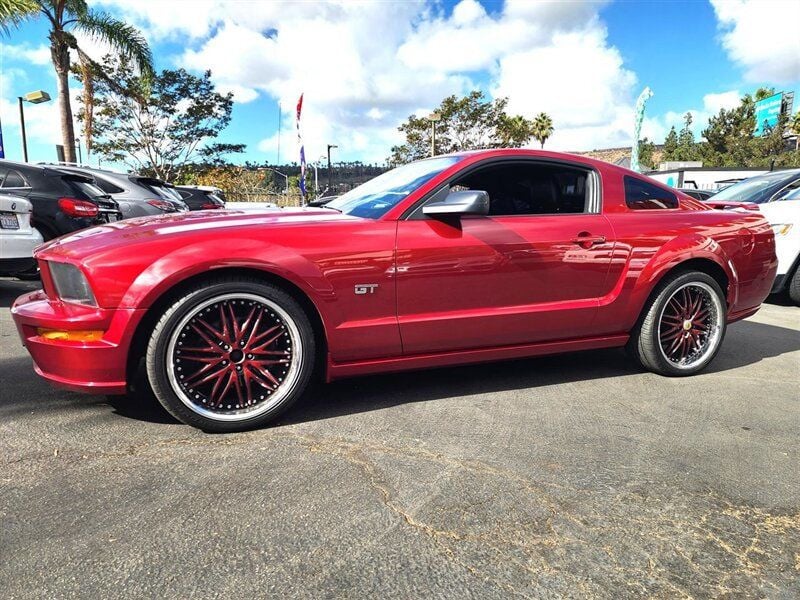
(137, 195)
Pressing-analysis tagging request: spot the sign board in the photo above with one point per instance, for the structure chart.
(767, 112)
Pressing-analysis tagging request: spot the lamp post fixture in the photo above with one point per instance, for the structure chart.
(285, 179)
(36, 97)
(433, 118)
(329, 164)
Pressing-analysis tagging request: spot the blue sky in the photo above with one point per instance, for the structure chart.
(364, 67)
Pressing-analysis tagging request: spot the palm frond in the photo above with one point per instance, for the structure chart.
(15, 12)
(124, 39)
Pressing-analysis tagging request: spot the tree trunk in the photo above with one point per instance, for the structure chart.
(60, 53)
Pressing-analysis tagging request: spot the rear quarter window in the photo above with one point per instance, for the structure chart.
(641, 195)
(108, 187)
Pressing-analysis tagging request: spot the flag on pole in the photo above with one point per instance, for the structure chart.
(302, 150)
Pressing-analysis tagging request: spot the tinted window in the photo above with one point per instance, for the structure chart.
(530, 188)
(641, 195)
(91, 190)
(14, 180)
(108, 187)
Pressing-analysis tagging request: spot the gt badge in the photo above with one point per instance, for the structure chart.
(365, 288)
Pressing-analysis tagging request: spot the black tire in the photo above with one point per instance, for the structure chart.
(662, 336)
(794, 287)
(261, 311)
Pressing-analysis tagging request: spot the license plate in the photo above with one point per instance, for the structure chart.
(9, 221)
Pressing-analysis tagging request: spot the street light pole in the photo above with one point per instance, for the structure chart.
(36, 97)
(329, 164)
(22, 128)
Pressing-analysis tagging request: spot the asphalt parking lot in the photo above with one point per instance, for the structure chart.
(569, 476)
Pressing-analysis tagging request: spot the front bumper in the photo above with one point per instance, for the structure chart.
(97, 367)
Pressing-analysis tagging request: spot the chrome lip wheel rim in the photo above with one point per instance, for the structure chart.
(690, 325)
(234, 357)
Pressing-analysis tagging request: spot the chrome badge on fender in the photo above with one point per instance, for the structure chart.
(365, 288)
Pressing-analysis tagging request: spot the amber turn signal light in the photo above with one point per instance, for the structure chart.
(56, 335)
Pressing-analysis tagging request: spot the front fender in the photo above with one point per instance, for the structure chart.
(206, 256)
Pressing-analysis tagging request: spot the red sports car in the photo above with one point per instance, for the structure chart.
(463, 258)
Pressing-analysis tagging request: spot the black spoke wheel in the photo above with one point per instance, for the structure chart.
(682, 327)
(231, 355)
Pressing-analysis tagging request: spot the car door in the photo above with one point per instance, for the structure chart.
(530, 271)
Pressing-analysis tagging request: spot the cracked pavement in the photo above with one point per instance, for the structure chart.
(569, 476)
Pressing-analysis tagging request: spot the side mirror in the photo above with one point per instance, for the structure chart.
(467, 202)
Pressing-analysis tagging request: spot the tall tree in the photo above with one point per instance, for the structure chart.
(542, 128)
(467, 123)
(161, 125)
(647, 153)
(670, 144)
(66, 18)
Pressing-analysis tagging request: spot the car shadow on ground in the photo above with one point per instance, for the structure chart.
(746, 343)
(11, 289)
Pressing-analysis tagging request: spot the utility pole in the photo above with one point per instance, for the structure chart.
(278, 160)
(330, 184)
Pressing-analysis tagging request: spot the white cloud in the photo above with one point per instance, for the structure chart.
(37, 55)
(712, 103)
(579, 81)
(761, 36)
(365, 66)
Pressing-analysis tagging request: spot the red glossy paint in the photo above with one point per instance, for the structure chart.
(483, 288)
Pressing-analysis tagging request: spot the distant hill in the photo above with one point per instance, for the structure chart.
(614, 155)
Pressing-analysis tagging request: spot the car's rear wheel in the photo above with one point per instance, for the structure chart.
(231, 354)
(682, 327)
(794, 286)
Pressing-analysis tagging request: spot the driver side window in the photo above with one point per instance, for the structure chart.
(527, 188)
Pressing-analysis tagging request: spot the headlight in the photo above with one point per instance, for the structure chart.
(71, 284)
(781, 229)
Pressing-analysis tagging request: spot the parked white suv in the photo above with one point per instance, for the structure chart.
(784, 217)
(17, 237)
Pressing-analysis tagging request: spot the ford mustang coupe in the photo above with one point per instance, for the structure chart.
(464, 258)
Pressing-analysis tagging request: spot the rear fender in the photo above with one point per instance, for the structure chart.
(678, 251)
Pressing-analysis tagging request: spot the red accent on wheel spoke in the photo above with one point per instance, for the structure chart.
(686, 324)
(237, 355)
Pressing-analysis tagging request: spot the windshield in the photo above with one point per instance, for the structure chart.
(373, 199)
(750, 190)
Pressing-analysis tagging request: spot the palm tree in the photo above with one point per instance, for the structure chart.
(67, 17)
(542, 127)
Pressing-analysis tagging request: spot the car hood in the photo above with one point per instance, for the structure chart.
(208, 224)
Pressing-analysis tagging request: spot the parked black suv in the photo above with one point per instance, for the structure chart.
(63, 201)
(201, 197)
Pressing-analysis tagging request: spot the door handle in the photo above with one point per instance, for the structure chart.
(586, 239)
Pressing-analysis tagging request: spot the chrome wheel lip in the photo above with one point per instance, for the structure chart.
(284, 389)
(715, 332)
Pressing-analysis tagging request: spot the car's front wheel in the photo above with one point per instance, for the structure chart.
(682, 327)
(231, 354)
